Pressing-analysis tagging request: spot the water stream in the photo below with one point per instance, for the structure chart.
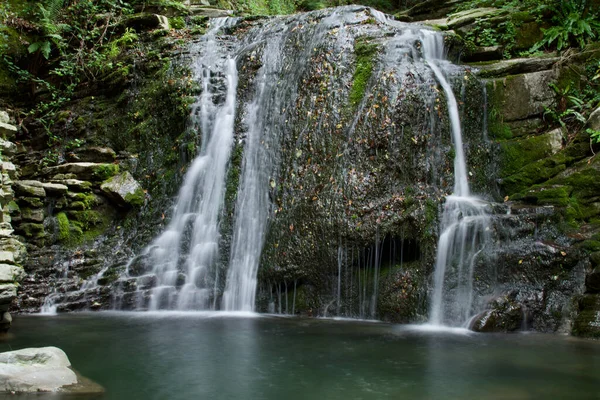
(183, 258)
(464, 222)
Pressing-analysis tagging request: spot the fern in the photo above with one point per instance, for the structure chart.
(574, 26)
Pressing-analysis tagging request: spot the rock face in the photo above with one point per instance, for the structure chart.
(12, 251)
(44, 369)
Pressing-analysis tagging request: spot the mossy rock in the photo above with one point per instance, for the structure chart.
(516, 154)
(534, 173)
(555, 195)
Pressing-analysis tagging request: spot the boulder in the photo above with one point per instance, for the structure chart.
(43, 369)
(518, 97)
(4, 118)
(124, 189)
(29, 188)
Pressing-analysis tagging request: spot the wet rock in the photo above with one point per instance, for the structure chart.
(29, 188)
(44, 369)
(33, 202)
(505, 315)
(124, 190)
(8, 292)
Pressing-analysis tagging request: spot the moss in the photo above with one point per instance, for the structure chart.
(547, 195)
(518, 153)
(137, 198)
(13, 208)
(89, 200)
(534, 173)
(364, 52)
(64, 232)
(104, 171)
(31, 230)
(91, 223)
(591, 245)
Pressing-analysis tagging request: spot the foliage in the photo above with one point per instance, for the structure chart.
(485, 33)
(570, 107)
(594, 135)
(574, 25)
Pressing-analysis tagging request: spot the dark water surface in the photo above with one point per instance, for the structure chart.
(214, 356)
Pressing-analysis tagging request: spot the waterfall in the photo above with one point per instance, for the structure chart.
(300, 141)
(183, 257)
(464, 224)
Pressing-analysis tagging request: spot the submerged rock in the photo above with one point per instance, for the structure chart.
(44, 369)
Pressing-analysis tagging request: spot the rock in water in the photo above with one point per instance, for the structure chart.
(43, 369)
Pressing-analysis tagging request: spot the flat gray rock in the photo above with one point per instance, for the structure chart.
(44, 369)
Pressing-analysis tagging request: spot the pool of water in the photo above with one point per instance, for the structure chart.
(247, 356)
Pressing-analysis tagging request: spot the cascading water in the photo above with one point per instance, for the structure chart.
(296, 74)
(464, 224)
(184, 256)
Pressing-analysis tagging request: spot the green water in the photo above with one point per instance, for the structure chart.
(211, 356)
